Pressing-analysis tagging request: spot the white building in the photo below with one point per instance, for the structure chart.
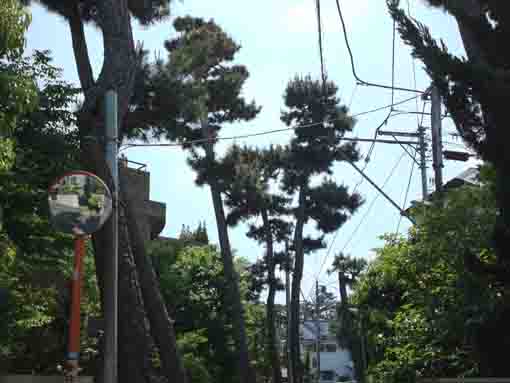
(335, 361)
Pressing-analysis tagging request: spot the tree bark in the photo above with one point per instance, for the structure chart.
(274, 357)
(161, 325)
(246, 373)
(118, 71)
(295, 354)
(342, 286)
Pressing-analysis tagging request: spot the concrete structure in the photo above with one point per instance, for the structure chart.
(151, 215)
(335, 361)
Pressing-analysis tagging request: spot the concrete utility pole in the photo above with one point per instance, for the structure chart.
(423, 162)
(111, 260)
(318, 340)
(437, 143)
(287, 302)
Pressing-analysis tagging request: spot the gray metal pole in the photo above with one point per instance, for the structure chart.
(437, 143)
(287, 301)
(111, 261)
(423, 163)
(318, 342)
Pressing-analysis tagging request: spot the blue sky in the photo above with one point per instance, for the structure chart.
(279, 40)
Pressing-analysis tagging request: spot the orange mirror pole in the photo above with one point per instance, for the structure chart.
(73, 355)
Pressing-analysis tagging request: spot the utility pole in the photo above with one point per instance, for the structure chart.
(287, 302)
(437, 143)
(318, 341)
(111, 260)
(423, 162)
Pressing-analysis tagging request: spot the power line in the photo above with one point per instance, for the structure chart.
(407, 193)
(371, 205)
(393, 62)
(352, 96)
(204, 140)
(389, 106)
(362, 219)
(414, 69)
(319, 27)
(353, 66)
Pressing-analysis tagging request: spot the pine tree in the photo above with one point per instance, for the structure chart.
(349, 269)
(200, 64)
(319, 124)
(248, 174)
(473, 89)
(120, 66)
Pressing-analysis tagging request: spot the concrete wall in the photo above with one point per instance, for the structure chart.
(150, 214)
(40, 379)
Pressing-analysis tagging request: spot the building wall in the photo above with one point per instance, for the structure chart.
(150, 214)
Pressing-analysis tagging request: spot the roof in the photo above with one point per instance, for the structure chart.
(470, 176)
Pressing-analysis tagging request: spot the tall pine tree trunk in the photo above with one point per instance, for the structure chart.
(342, 286)
(246, 373)
(273, 353)
(297, 276)
(161, 326)
(118, 71)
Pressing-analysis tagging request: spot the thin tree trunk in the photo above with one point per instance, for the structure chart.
(246, 373)
(343, 288)
(270, 313)
(161, 325)
(297, 276)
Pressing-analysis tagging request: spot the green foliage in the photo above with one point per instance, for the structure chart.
(472, 88)
(36, 260)
(193, 286)
(14, 22)
(313, 152)
(17, 88)
(425, 311)
(144, 11)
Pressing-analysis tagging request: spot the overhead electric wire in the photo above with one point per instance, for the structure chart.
(353, 66)
(371, 150)
(352, 95)
(389, 106)
(203, 140)
(321, 54)
(415, 83)
(393, 62)
(362, 219)
(351, 237)
(407, 194)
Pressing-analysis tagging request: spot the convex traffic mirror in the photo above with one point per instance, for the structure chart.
(80, 203)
